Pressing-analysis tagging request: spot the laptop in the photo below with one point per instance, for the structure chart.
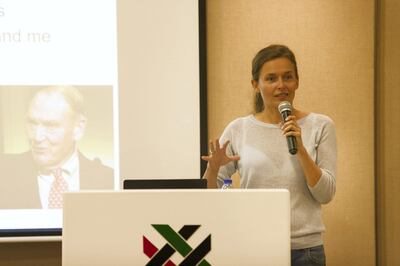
(164, 183)
(177, 227)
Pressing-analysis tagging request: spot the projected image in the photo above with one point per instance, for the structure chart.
(54, 139)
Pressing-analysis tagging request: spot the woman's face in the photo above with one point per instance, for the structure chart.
(277, 82)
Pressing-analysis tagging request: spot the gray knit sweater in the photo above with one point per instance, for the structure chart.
(266, 163)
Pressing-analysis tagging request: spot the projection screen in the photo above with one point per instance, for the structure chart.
(97, 91)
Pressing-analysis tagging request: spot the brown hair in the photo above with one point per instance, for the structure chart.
(264, 55)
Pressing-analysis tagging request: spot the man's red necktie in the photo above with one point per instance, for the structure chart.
(58, 186)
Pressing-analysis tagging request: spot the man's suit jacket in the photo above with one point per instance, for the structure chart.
(19, 186)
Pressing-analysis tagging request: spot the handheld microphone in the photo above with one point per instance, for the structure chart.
(285, 109)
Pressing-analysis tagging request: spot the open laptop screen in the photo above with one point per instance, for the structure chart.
(164, 183)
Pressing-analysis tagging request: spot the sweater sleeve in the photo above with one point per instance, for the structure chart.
(325, 189)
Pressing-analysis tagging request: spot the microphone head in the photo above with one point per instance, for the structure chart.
(285, 106)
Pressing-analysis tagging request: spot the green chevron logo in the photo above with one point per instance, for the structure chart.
(177, 242)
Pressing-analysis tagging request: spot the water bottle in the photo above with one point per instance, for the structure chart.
(227, 184)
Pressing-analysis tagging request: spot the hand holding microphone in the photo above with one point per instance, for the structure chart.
(285, 109)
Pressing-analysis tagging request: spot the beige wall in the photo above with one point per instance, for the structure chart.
(388, 174)
(334, 44)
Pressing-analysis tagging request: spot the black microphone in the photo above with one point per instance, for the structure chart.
(285, 109)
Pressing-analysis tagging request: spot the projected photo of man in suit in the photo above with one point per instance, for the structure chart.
(55, 122)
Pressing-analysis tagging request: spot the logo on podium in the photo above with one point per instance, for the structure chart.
(177, 242)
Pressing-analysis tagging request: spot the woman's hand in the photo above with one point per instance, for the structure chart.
(217, 156)
(291, 128)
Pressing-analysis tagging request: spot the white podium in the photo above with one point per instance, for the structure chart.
(177, 227)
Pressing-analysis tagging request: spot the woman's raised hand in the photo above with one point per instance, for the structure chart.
(217, 156)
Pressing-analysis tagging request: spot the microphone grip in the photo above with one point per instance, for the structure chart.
(291, 140)
(292, 144)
